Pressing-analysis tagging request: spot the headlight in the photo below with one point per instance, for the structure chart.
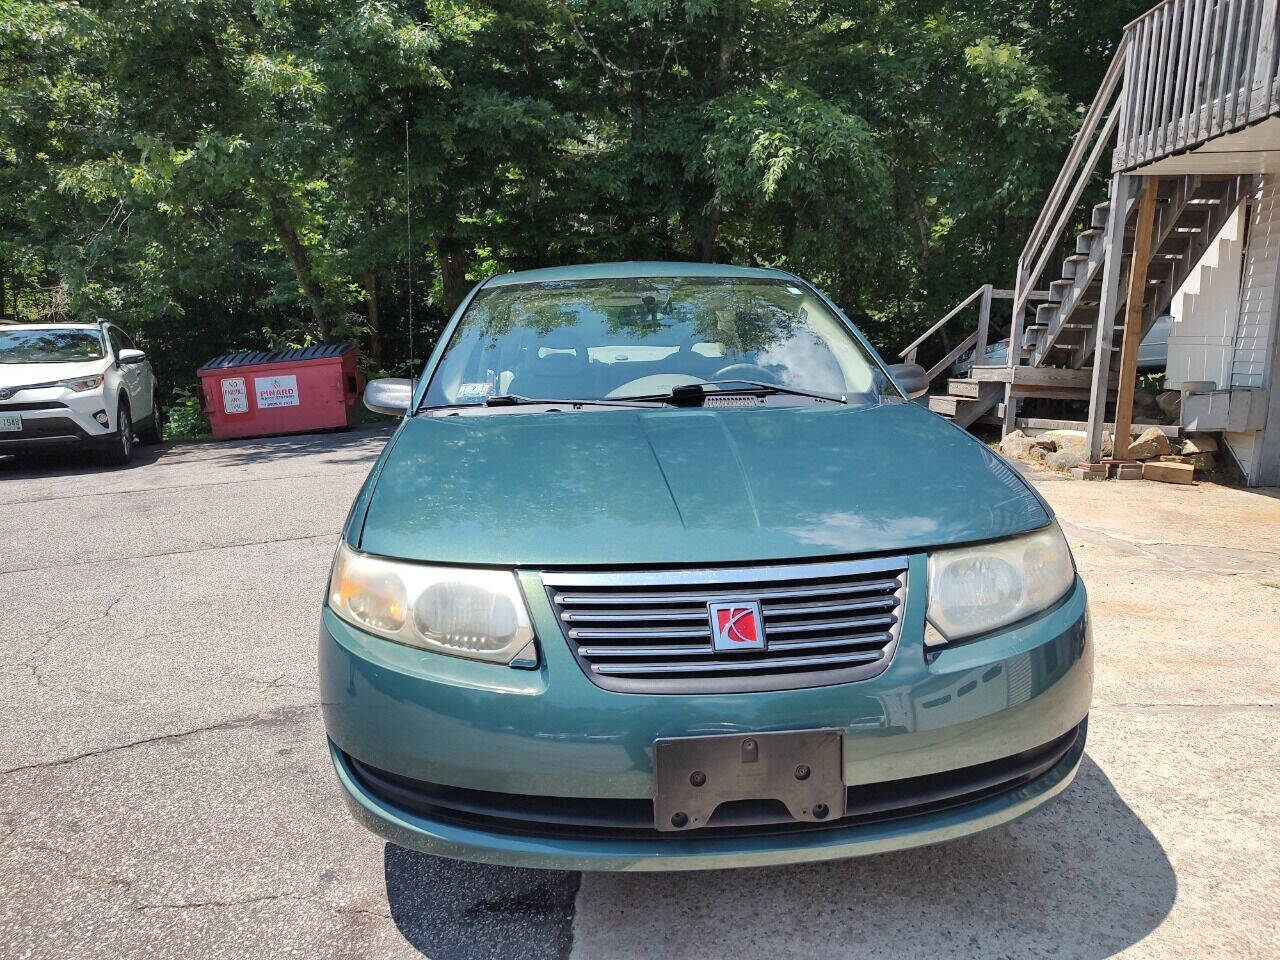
(977, 589)
(81, 384)
(477, 614)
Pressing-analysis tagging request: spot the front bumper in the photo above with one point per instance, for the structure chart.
(551, 733)
(55, 416)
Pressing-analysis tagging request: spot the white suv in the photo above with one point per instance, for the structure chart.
(82, 384)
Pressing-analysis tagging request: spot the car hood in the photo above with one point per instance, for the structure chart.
(26, 374)
(687, 487)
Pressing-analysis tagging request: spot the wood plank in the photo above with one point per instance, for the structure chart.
(1168, 472)
(1035, 376)
(1138, 262)
(972, 388)
(1033, 426)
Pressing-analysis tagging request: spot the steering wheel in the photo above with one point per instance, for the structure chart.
(746, 371)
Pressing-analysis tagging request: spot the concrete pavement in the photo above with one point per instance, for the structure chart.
(165, 791)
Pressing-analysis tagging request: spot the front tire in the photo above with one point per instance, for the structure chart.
(120, 449)
(153, 432)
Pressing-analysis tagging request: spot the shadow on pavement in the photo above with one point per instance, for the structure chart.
(450, 910)
(1082, 878)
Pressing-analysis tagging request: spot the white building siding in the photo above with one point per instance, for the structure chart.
(1204, 311)
(1252, 341)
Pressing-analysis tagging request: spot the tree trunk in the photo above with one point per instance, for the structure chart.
(705, 245)
(323, 313)
(371, 302)
(706, 242)
(375, 320)
(453, 272)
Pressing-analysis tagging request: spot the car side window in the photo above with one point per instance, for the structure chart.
(115, 337)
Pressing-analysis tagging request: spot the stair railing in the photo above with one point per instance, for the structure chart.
(1201, 68)
(1076, 173)
(978, 339)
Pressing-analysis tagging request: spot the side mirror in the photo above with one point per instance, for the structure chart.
(131, 356)
(911, 377)
(390, 395)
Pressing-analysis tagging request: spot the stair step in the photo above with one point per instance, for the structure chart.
(1058, 289)
(1075, 265)
(1084, 241)
(947, 405)
(973, 389)
(1100, 213)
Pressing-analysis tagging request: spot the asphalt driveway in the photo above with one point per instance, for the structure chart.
(165, 790)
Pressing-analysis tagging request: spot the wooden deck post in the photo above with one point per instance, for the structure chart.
(1108, 301)
(984, 323)
(1014, 353)
(1133, 315)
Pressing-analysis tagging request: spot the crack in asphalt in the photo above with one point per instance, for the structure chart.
(97, 561)
(1144, 548)
(29, 661)
(315, 898)
(280, 715)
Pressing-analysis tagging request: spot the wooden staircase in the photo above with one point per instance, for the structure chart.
(1184, 74)
(1056, 348)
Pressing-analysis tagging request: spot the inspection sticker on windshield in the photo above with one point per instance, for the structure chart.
(474, 392)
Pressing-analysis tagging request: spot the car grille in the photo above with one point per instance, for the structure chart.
(619, 819)
(650, 631)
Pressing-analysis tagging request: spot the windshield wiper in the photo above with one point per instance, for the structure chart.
(516, 400)
(694, 394)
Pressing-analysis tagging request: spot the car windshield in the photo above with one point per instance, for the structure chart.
(614, 339)
(54, 345)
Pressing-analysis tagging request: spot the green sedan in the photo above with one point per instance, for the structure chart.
(663, 569)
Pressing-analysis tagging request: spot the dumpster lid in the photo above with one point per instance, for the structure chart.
(254, 358)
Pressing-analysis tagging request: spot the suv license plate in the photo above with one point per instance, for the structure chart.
(10, 423)
(804, 769)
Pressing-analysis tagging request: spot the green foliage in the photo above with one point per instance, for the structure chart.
(225, 174)
(183, 418)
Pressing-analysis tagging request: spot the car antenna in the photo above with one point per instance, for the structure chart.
(408, 229)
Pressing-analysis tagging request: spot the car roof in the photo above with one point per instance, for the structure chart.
(637, 269)
(76, 325)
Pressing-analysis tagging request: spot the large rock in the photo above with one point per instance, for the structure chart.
(1066, 459)
(1016, 444)
(1152, 443)
(1072, 440)
(1199, 443)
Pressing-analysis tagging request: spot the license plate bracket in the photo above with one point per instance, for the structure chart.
(803, 769)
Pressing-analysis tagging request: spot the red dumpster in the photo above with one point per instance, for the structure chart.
(261, 393)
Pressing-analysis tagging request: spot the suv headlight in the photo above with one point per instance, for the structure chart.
(81, 384)
(477, 614)
(974, 590)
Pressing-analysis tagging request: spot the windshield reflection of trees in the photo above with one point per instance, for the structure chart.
(746, 318)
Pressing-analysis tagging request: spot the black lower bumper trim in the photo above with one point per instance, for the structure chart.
(587, 818)
(49, 432)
